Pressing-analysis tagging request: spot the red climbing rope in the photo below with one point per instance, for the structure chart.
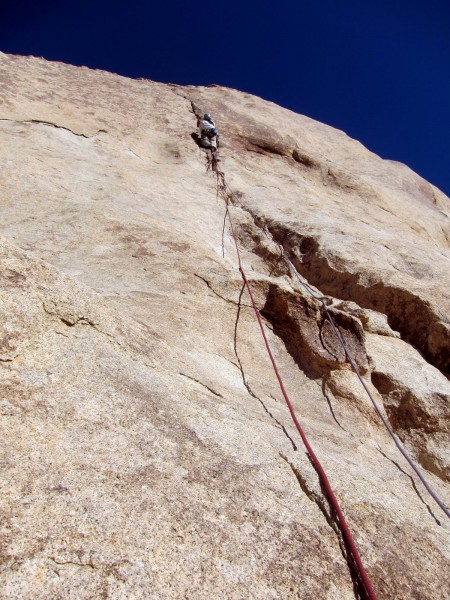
(354, 366)
(348, 539)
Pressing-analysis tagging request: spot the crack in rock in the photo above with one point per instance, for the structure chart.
(202, 384)
(413, 483)
(331, 519)
(320, 501)
(244, 379)
(217, 293)
(70, 563)
(326, 394)
(50, 124)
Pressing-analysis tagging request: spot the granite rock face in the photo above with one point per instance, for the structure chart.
(146, 448)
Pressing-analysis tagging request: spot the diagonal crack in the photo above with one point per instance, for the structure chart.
(202, 384)
(325, 508)
(413, 484)
(217, 294)
(314, 497)
(50, 124)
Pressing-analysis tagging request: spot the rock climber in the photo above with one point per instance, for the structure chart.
(208, 132)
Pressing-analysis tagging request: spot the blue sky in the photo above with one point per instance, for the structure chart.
(378, 69)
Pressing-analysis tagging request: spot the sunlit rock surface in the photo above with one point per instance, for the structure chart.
(146, 448)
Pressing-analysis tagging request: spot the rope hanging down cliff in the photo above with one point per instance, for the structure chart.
(223, 189)
(227, 194)
(363, 383)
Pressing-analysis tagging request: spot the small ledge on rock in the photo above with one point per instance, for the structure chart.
(371, 320)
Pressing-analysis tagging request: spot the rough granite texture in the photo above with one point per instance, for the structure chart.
(146, 449)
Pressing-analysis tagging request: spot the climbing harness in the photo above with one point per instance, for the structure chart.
(354, 558)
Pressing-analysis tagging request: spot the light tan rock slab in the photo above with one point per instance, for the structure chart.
(146, 449)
